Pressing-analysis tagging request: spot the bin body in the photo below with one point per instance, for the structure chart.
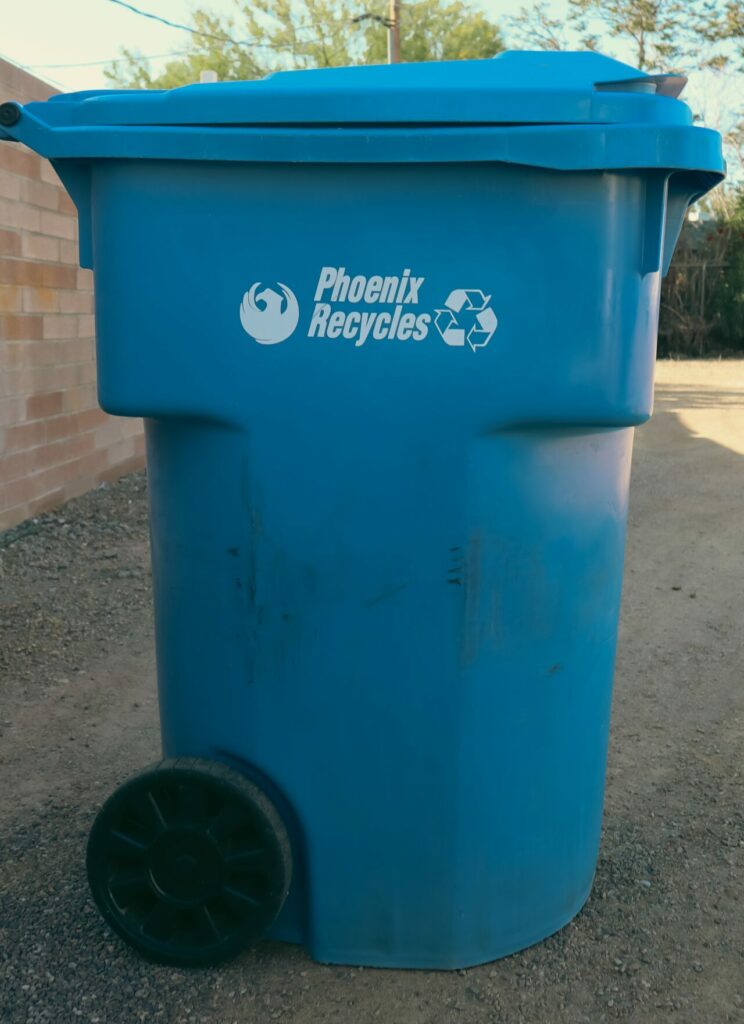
(387, 569)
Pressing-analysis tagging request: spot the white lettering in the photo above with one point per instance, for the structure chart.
(319, 321)
(326, 279)
(336, 323)
(406, 325)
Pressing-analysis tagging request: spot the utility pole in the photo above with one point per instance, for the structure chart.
(394, 32)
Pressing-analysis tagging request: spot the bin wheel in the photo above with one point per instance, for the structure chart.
(189, 862)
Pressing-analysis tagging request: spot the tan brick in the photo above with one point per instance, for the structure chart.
(84, 280)
(47, 173)
(64, 450)
(78, 398)
(20, 161)
(24, 435)
(40, 406)
(11, 298)
(90, 419)
(65, 352)
(12, 516)
(57, 224)
(108, 433)
(69, 252)
(40, 247)
(94, 462)
(46, 275)
(14, 214)
(130, 427)
(80, 485)
(86, 326)
(63, 426)
(66, 204)
(75, 302)
(12, 354)
(47, 501)
(19, 327)
(27, 354)
(79, 351)
(22, 85)
(60, 326)
(56, 276)
(10, 185)
(15, 492)
(31, 378)
(39, 193)
(10, 243)
(40, 300)
(62, 377)
(14, 380)
(47, 480)
(19, 464)
(11, 410)
(129, 465)
(121, 451)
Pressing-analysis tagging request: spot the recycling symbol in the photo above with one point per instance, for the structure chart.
(466, 317)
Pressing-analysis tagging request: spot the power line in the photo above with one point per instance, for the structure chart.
(29, 69)
(112, 60)
(212, 35)
(171, 24)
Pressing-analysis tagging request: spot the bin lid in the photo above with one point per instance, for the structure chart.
(516, 87)
(558, 110)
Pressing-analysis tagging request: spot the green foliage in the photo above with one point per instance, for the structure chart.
(702, 297)
(269, 35)
(432, 30)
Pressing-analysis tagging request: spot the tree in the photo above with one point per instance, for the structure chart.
(432, 30)
(534, 28)
(271, 35)
(656, 30)
(653, 35)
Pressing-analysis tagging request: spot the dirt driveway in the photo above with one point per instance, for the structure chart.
(662, 938)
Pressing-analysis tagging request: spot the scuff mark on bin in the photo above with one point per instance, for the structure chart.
(386, 594)
(457, 567)
(472, 633)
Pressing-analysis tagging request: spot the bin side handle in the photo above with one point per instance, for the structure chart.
(668, 196)
(683, 189)
(75, 175)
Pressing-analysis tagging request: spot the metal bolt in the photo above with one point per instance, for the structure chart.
(10, 114)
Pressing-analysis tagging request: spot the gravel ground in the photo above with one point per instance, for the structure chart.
(662, 937)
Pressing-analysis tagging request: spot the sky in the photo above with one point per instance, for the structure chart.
(41, 33)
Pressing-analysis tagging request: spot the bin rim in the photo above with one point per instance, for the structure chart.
(554, 147)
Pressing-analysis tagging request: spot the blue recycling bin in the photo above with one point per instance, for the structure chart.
(391, 330)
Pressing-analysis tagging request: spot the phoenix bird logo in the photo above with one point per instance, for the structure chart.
(269, 316)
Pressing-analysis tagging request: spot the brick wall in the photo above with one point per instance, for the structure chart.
(55, 442)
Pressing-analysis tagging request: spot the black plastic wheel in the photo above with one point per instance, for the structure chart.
(189, 862)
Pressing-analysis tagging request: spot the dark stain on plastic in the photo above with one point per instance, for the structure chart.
(386, 594)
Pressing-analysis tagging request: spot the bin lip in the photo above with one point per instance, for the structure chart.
(552, 147)
(515, 87)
